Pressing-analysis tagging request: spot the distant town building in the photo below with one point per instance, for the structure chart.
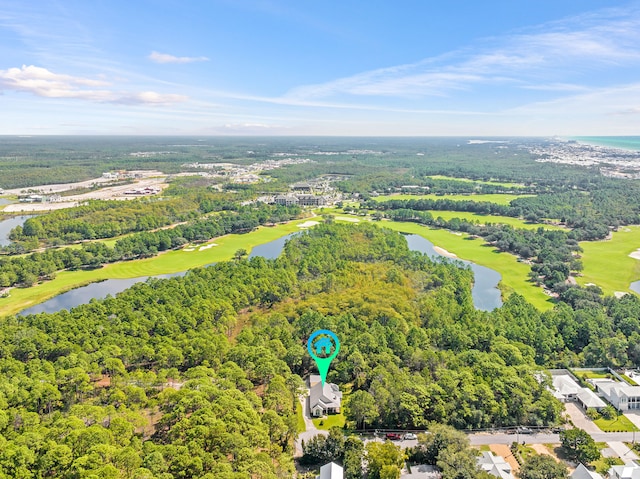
(311, 200)
(286, 200)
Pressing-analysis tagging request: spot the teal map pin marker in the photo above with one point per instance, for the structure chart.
(320, 346)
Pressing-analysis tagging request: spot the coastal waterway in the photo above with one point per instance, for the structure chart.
(486, 295)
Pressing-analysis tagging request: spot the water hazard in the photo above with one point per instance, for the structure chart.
(485, 292)
(486, 295)
(7, 225)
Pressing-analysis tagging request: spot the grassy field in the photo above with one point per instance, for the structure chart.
(620, 423)
(514, 274)
(329, 422)
(170, 262)
(300, 424)
(467, 180)
(607, 263)
(486, 219)
(501, 199)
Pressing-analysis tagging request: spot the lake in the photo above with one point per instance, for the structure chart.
(7, 225)
(635, 286)
(486, 295)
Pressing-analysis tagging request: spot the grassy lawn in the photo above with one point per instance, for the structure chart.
(170, 262)
(603, 464)
(300, 425)
(467, 180)
(501, 199)
(514, 274)
(620, 423)
(591, 374)
(330, 421)
(487, 219)
(607, 263)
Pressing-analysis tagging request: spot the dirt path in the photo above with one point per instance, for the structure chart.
(542, 449)
(504, 451)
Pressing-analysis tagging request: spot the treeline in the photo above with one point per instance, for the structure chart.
(27, 270)
(199, 375)
(109, 219)
(190, 386)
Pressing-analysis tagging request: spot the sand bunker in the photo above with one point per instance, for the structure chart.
(189, 249)
(210, 245)
(308, 224)
(619, 294)
(444, 252)
(635, 254)
(346, 218)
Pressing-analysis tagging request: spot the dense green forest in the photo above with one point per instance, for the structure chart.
(198, 376)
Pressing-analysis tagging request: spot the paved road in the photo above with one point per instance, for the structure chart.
(483, 438)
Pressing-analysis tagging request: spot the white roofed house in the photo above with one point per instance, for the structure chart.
(325, 399)
(582, 472)
(331, 471)
(495, 465)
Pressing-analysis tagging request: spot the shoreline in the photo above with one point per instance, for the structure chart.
(582, 141)
(444, 252)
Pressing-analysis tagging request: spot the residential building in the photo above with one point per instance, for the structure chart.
(628, 471)
(323, 399)
(286, 200)
(565, 387)
(621, 395)
(311, 200)
(495, 465)
(582, 472)
(421, 471)
(331, 471)
(590, 400)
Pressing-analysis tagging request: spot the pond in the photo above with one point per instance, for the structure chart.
(7, 225)
(485, 292)
(486, 295)
(635, 286)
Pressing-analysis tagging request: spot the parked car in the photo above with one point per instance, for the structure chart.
(525, 430)
(393, 436)
(409, 436)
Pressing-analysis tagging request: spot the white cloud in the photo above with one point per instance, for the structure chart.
(166, 58)
(44, 83)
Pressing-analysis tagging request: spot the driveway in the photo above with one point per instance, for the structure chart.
(634, 417)
(580, 419)
(311, 430)
(622, 451)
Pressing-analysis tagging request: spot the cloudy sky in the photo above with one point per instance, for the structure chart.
(349, 67)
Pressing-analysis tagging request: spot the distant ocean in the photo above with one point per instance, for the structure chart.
(623, 142)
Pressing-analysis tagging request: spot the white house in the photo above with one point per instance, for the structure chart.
(622, 396)
(331, 471)
(565, 388)
(495, 465)
(588, 399)
(325, 399)
(582, 472)
(628, 471)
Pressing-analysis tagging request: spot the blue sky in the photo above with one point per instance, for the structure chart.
(280, 67)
